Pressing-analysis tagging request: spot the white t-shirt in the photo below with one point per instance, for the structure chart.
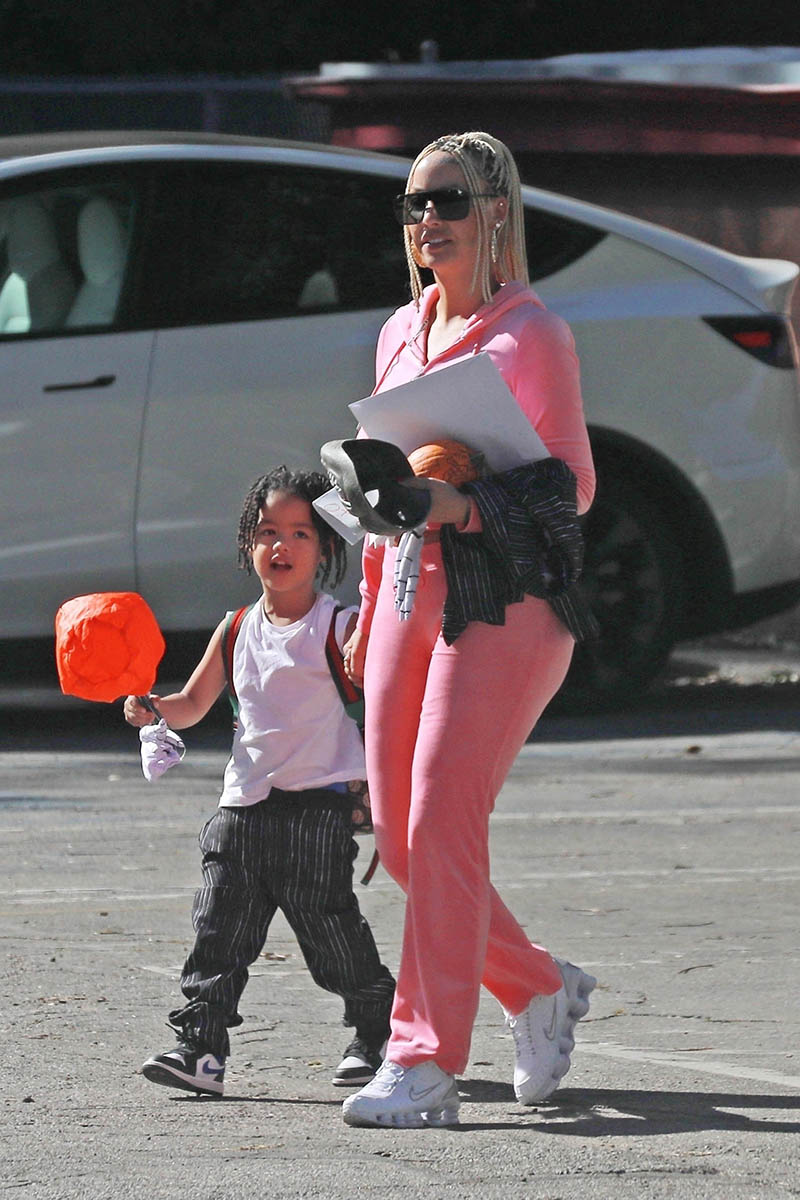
(293, 732)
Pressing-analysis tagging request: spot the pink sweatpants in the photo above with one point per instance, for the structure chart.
(444, 725)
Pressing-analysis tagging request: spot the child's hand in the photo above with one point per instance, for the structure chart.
(135, 712)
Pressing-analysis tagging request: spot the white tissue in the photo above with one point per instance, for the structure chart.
(161, 749)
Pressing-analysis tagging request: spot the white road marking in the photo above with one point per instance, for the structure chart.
(253, 973)
(690, 1066)
(597, 815)
(769, 873)
(22, 896)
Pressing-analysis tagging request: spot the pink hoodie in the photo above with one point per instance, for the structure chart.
(535, 353)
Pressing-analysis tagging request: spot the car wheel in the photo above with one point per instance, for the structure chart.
(634, 581)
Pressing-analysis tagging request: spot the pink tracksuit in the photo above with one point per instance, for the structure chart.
(445, 723)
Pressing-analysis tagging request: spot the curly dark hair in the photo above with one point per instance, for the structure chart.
(306, 485)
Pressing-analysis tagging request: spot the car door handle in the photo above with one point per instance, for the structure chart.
(100, 381)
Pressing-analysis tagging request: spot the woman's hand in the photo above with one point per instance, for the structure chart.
(135, 712)
(354, 654)
(448, 505)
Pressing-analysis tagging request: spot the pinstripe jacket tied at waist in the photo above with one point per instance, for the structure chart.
(530, 544)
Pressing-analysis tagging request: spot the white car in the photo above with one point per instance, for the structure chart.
(180, 312)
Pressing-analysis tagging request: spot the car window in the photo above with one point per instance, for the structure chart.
(236, 242)
(554, 242)
(63, 255)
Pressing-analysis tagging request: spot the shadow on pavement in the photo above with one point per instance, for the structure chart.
(59, 723)
(608, 1112)
(590, 1112)
(693, 699)
(696, 697)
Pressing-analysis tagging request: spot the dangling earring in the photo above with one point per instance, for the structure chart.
(494, 249)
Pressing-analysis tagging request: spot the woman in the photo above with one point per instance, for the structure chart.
(449, 709)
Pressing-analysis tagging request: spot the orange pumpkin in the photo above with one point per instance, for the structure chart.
(449, 460)
(108, 644)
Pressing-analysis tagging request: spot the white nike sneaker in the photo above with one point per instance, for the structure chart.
(544, 1034)
(405, 1097)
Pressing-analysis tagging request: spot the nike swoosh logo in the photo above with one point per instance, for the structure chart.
(550, 1033)
(415, 1095)
(209, 1070)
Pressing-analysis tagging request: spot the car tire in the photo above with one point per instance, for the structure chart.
(634, 580)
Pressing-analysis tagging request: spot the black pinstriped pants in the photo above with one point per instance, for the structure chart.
(292, 852)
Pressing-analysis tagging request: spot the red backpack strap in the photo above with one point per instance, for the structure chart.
(353, 701)
(233, 624)
(352, 697)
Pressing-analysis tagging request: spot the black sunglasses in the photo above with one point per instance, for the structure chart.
(451, 204)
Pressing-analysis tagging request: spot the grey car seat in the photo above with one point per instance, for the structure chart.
(39, 288)
(101, 249)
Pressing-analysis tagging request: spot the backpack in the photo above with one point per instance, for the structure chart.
(351, 696)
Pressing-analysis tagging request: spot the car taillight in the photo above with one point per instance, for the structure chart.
(768, 338)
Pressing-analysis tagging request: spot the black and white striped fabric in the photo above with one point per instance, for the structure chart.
(530, 544)
(292, 852)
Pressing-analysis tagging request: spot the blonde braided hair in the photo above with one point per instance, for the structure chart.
(488, 165)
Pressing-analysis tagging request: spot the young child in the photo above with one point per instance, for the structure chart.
(280, 837)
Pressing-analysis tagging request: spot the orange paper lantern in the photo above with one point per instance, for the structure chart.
(108, 644)
(448, 460)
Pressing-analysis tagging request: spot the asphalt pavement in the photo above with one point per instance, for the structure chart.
(656, 846)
